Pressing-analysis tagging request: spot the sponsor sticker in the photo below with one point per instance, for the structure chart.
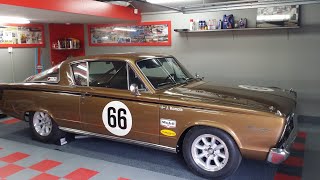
(171, 108)
(168, 123)
(168, 132)
(117, 118)
(256, 88)
(52, 79)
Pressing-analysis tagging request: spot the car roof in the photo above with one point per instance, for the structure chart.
(118, 56)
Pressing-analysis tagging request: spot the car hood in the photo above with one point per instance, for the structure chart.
(271, 99)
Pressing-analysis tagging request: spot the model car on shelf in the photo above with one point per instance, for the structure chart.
(152, 100)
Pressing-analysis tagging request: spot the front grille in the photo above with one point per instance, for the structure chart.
(288, 129)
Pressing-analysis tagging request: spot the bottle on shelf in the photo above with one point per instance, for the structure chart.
(196, 25)
(219, 24)
(192, 25)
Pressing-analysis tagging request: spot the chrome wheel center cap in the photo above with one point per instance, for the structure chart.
(210, 151)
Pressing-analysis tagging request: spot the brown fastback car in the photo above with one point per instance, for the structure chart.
(152, 100)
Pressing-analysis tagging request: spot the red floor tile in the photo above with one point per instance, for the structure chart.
(45, 176)
(298, 146)
(81, 174)
(280, 176)
(121, 178)
(14, 157)
(45, 165)
(10, 121)
(294, 161)
(302, 135)
(9, 170)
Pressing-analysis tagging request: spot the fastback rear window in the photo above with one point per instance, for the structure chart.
(51, 75)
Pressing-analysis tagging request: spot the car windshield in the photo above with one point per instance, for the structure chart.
(164, 72)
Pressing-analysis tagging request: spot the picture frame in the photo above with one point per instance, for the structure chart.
(278, 16)
(22, 36)
(142, 34)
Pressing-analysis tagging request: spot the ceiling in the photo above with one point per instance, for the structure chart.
(47, 16)
(188, 6)
(145, 7)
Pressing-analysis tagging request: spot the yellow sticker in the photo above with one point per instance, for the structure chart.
(168, 132)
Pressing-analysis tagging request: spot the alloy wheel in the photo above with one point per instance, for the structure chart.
(209, 152)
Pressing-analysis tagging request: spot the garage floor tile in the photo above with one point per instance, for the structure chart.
(9, 169)
(82, 174)
(23, 174)
(14, 157)
(45, 165)
(45, 176)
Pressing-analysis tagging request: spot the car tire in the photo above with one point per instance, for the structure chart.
(44, 128)
(213, 159)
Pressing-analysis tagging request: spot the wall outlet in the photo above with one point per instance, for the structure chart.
(10, 49)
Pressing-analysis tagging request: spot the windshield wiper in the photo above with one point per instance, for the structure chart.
(166, 83)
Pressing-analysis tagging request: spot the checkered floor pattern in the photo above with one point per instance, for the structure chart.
(19, 161)
(40, 169)
(291, 169)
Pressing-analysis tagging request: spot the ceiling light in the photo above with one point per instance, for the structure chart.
(125, 29)
(120, 3)
(275, 17)
(13, 20)
(167, 1)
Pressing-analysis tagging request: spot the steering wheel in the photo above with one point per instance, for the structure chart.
(108, 82)
(102, 78)
(169, 76)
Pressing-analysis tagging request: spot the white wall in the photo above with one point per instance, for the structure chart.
(23, 62)
(288, 59)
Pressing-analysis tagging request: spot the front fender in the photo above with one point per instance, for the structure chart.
(214, 124)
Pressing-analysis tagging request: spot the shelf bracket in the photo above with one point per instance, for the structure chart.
(187, 35)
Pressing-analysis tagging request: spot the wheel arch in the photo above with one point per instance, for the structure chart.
(220, 126)
(26, 114)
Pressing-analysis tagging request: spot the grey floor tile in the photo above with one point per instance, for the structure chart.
(2, 164)
(24, 175)
(311, 157)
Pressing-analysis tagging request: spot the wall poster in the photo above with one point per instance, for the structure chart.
(30, 35)
(143, 34)
(278, 16)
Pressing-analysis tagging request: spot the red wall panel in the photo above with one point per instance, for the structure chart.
(87, 7)
(61, 31)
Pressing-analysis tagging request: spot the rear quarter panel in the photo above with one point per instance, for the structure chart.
(63, 107)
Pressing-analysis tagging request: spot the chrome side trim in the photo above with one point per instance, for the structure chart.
(118, 139)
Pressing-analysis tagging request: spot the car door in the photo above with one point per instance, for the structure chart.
(108, 108)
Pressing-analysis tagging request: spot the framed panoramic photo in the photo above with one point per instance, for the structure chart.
(143, 34)
(278, 16)
(30, 35)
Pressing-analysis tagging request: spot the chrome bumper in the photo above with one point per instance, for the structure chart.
(278, 155)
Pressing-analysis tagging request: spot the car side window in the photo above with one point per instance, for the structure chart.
(109, 74)
(80, 73)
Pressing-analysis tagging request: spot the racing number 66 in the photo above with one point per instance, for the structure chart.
(117, 118)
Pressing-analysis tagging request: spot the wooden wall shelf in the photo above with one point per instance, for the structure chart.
(236, 29)
(65, 49)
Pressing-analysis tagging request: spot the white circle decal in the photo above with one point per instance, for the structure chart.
(117, 118)
(256, 88)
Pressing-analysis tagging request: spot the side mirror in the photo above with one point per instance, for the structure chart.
(198, 77)
(134, 89)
